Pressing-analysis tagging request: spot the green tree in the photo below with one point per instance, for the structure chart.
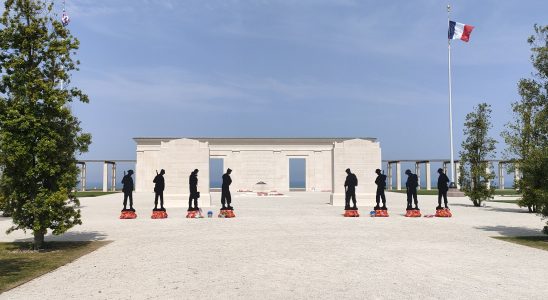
(527, 136)
(39, 136)
(476, 149)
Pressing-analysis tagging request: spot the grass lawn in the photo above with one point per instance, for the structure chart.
(539, 242)
(18, 264)
(92, 194)
(419, 192)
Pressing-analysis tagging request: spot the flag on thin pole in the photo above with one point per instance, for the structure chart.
(459, 31)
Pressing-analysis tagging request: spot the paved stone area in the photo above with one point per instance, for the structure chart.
(297, 247)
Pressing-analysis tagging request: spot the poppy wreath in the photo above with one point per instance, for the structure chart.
(351, 213)
(159, 214)
(413, 213)
(226, 213)
(128, 214)
(444, 213)
(193, 214)
(381, 213)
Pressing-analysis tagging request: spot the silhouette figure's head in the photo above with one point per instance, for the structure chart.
(228, 171)
(408, 172)
(440, 170)
(348, 171)
(162, 172)
(378, 171)
(130, 172)
(195, 172)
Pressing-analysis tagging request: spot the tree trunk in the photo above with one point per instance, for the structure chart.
(476, 203)
(530, 208)
(38, 240)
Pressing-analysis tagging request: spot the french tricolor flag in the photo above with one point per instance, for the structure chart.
(459, 31)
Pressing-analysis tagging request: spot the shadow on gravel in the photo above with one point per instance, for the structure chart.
(493, 208)
(510, 231)
(81, 236)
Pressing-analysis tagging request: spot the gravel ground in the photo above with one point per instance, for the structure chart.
(297, 247)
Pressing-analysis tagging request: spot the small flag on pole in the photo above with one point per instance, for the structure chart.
(459, 31)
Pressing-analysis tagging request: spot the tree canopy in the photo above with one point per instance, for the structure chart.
(476, 149)
(39, 135)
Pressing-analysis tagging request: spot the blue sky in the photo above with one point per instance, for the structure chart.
(302, 68)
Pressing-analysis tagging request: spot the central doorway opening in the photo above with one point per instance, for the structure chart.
(216, 172)
(297, 174)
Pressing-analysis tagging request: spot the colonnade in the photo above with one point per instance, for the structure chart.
(390, 164)
(502, 164)
(107, 164)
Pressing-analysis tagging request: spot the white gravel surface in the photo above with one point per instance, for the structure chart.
(297, 247)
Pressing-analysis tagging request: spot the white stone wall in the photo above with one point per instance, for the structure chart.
(272, 167)
(362, 157)
(178, 157)
(254, 160)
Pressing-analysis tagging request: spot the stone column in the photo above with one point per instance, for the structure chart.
(179, 158)
(105, 176)
(501, 176)
(389, 175)
(398, 175)
(362, 157)
(516, 174)
(444, 167)
(487, 171)
(457, 174)
(428, 179)
(113, 188)
(84, 177)
(418, 172)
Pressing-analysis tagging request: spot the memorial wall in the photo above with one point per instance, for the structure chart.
(256, 160)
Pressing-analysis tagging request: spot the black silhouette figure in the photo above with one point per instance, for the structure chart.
(193, 186)
(381, 184)
(225, 193)
(443, 187)
(127, 181)
(350, 187)
(159, 189)
(411, 184)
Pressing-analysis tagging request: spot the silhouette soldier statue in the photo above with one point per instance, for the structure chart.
(159, 189)
(350, 188)
(411, 184)
(381, 184)
(127, 188)
(193, 186)
(443, 187)
(225, 193)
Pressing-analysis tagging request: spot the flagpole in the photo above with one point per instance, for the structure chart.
(450, 102)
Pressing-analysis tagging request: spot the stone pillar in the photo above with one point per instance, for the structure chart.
(444, 167)
(362, 157)
(179, 158)
(418, 172)
(398, 175)
(501, 176)
(428, 179)
(487, 171)
(113, 188)
(83, 177)
(516, 174)
(457, 174)
(105, 176)
(389, 175)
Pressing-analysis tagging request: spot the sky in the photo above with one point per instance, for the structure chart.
(296, 68)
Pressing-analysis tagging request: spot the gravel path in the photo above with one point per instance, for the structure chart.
(297, 247)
